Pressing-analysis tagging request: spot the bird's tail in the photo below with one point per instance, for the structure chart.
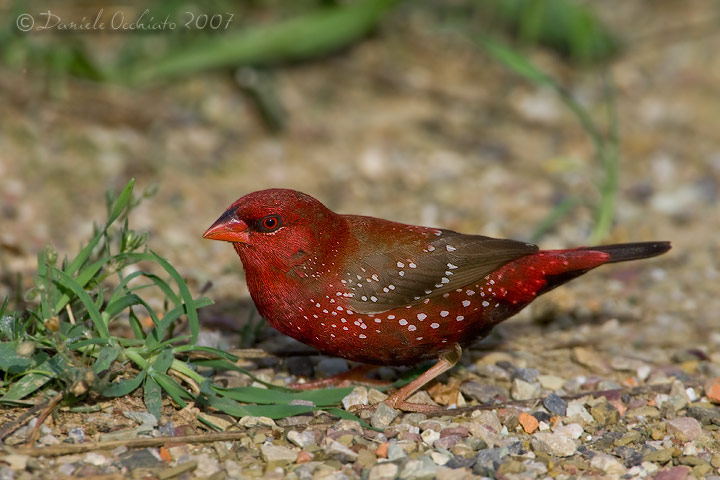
(577, 262)
(623, 252)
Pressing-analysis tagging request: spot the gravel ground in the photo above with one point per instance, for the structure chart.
(616, 375)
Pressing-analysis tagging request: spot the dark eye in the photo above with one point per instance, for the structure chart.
(270, 223)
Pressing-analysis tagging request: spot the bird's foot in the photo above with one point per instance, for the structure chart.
(355, 375)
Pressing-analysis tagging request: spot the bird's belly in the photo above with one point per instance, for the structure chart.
(401, 336)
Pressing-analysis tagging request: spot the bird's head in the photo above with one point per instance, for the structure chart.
(277, 226)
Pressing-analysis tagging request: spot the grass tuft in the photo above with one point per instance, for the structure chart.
(66, 342)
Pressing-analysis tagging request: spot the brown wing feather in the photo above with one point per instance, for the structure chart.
(448, 260)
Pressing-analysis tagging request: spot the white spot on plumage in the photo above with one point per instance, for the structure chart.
(400, 264)
(485, 303)
(450, 248)
(466, 303)
(401, 273)
(459, 318)
(412, 265)
(362, 335)
(421, 316)
(419, 338)
(431, 248)
(343, 320)
(391, 287)
(412, 328)
(444, 313)
(375, 277)
(332, 335)
(451, 266)
(434, 325)
(444, 280)
(373, 298)
(469, 293)
(346, 328)
(377, 320)
(446, 295)
(391, 317)
(403, 322)
(317, 305)
(359, 277)
(386, 290)
(325, 310)
(428, 292)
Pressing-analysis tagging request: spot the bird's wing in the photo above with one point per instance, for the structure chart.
(402, 275)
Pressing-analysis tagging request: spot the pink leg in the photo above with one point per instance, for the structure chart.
(354, 375)
(445, 362)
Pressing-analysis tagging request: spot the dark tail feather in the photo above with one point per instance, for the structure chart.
(622, 252)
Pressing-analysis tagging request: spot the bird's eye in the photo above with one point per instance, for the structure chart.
(270, 223)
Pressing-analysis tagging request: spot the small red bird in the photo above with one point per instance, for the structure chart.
(386, 293)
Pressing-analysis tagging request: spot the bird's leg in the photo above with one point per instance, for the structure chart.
(446, 361)
(354, 375)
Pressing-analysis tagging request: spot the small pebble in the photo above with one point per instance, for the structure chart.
(383, 471)
(686, 428)
(359, 396)
(528, 422)
(712, 390)
(555, 405)
(554, 444)
(383, 416)
(550, 382)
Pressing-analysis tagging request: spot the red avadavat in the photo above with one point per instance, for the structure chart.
(386, 293)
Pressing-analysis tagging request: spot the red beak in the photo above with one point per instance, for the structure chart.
(228, 228)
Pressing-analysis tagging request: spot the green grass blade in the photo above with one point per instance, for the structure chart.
(560, 210)
(515, 61)
(214, 351)
(83, 278)
(105, 358)
(50, 369)
(322, 398)
(318, 33)
(125, 386)
(152, 396)
(193, 321)
(123, 200)
(233, 408)
(176, 392)
(344, 414)
(220, 364)
(160, 283)
(70, 283)
(163, 361)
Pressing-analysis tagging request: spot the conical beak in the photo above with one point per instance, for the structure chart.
(228, 228)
